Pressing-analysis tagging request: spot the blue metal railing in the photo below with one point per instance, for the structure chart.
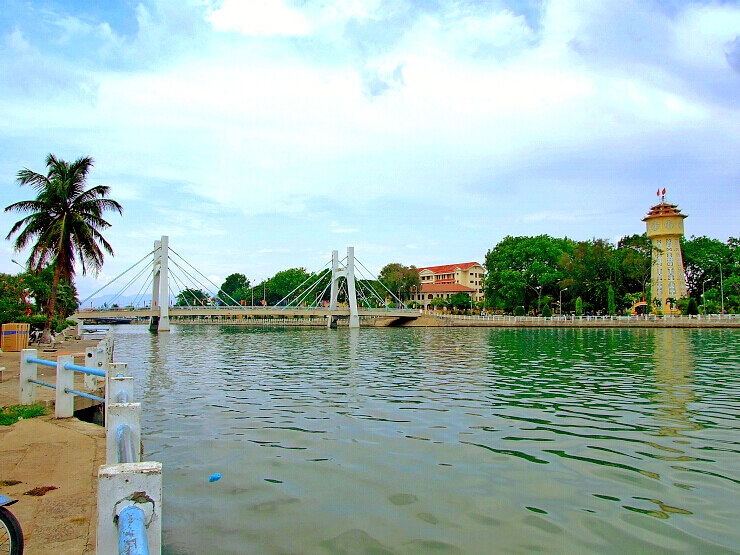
(42, 362)
(84, 370)
(72, 367)
(83, 394)
(132, 538)
(45, 384)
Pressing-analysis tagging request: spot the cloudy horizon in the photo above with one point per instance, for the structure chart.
(261, 135)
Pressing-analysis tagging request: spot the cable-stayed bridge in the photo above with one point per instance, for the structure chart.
(170, 277)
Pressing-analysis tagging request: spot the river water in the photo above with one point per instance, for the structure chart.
(442, 440)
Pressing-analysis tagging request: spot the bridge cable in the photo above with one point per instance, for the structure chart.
(304, 295)
(114, 279)
(302, 284)
(202, 275)
(368, 286)
(184, 289)
(131, 281)
(380, 299)
(383, 284)
(141, 291)
(197, 282)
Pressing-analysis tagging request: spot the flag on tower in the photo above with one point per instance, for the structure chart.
(664, 191)
(658, 193)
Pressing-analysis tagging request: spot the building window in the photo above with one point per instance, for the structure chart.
(671, 274)
(672, 288)
(668, 244)
(669, 258)
(660, 274)
(659, 259)
(660, 289)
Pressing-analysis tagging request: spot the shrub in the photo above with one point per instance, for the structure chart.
(546, 311)
(519, 311)
(692, 308)
(579, 306)
(11, 414)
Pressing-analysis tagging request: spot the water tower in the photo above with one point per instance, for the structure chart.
(665, 228)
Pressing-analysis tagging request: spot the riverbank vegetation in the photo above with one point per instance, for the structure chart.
(11, 414)
(537, 272)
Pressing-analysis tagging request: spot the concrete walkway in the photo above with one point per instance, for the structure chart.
(64, 453)
(44, 451)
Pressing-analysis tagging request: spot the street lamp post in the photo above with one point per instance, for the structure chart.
(560, 302)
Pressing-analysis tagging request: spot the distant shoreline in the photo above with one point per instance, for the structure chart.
(729, 321)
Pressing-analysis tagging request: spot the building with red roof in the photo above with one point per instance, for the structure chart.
(447, 280)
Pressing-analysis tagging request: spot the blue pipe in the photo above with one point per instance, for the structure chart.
(83, 394)
(132, 538)
(126, 448)
(37, 382)
(42, 362)
(85, 370)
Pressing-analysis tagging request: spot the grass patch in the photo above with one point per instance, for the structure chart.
(11, 414)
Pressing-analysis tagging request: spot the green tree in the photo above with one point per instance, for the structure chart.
(236, 287)
(14, 305)
(284, 283)
(439, 302)
(692, 308)
(579, 306)
(634, 255)
(64, 225)
(459, 301)
(611, 304)
(521, 270)
(191, 297)
(702, 258)
(400, 279)
(546, 310)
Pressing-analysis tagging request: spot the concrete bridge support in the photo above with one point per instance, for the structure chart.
(348, 273)
(161, 287)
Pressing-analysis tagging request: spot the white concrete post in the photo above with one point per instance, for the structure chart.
(117, 385)
(114, 368)
(65, 402)
(91, 361)
(118, 414)
(354, 317)
(27, 389)
(164, 287)
(122, 485)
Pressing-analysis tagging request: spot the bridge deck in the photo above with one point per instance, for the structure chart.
(250, 311)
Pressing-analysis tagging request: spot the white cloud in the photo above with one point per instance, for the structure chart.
(259, 18)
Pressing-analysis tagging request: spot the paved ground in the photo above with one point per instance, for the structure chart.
(41, 452)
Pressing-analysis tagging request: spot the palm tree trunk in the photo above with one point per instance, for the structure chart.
(46, 336)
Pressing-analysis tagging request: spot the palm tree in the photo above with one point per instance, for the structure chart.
(64, 223)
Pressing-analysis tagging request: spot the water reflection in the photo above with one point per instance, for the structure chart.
(451, 440)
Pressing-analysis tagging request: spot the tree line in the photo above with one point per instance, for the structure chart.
(532, 274)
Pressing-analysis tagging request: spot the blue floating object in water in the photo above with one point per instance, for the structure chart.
(214, 477)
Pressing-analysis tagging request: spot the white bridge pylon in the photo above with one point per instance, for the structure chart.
(347, 272)
(161, 286)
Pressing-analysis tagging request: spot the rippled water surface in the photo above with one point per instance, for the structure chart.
(442, 440)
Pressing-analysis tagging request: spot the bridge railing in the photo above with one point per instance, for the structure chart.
(64, 386)
(129, 490)
(593, 318)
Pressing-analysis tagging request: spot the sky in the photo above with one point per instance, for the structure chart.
(260, 135)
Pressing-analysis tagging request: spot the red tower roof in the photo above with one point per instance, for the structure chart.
(664, 209)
